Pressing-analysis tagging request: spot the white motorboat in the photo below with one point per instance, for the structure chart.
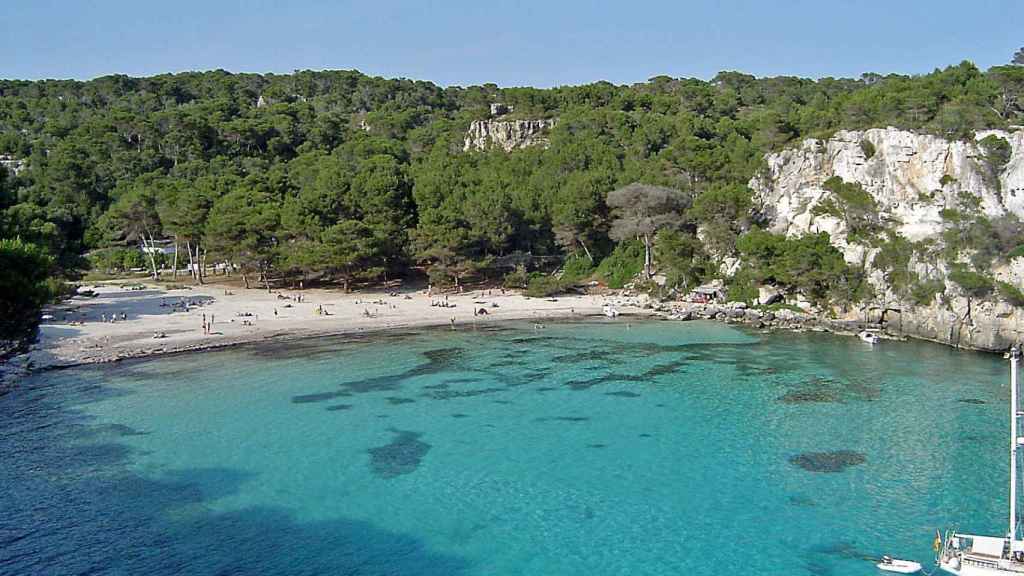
(610, 311)
(890, 564)
(972, 555)
(868, 336)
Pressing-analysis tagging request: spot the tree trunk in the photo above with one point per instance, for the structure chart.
(647, 256)
(587, 250)
(202, 263)
(266, 279)
(174, 267)
(152, 258)
(245, 279)
(191, 262)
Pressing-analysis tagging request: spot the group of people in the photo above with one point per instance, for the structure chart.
(441, 303)
(207, 326)
(113, 317)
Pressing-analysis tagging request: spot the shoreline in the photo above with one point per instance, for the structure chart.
(76, 335)
(80, 332)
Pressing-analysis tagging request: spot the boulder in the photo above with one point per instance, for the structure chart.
(768, 295)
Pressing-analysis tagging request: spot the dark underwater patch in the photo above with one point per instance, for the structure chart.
(623, 394)
(820, 389)
(972, 401)
(440, 360)
(808, 397)
(665, 369)
(461, 381)
(400, 456)
(398, 400)
(562, 419)
(645, 436)
(450, 394)
(597, 445)
(846, 550)
(318, 397)
(583, 356)
(546, 389)
(460, 415)
(106, 430)
(606, 379)
(802, 501)
(338, 407)
(828, 462)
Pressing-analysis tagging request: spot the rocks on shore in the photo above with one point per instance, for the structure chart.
(740, 313)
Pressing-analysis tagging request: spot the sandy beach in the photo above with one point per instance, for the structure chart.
(153, 320)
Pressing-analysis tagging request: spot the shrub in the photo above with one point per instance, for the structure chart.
(543, 285)
(997, 151)
(1017, 252)
(853, 205)
(923, 292)
(946, 180)
(438, 276)
(867, 148)
(576, 269)
(973, 283)
(622, 265)
(518, 278)
(1011, 293)
(743, 287)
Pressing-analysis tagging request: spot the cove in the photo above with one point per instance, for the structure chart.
(592, 447)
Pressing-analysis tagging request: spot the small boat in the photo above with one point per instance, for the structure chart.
(890, 564)
(610, 312)
(869, 337)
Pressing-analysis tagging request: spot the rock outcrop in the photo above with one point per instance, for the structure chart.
(912, 178)
(12, 164)
(507, 134)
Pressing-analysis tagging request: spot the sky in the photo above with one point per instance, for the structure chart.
(528, 43)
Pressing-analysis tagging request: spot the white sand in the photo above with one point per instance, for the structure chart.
(64, 342)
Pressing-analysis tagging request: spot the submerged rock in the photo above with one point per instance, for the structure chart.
(828, 462)
(401, 456)
(971, 401)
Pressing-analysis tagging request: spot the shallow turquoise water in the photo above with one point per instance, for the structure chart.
(662, 448)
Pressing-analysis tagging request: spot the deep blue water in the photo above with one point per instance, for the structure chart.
(595, 448)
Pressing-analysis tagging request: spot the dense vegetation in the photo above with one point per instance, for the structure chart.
(337, 176)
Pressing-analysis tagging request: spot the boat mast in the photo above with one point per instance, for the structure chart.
(1014, 356)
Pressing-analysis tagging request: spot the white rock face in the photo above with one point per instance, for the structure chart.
(912, 178)
(507, 134)
(905, 176)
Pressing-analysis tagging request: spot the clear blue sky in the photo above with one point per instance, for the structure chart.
(533, 43)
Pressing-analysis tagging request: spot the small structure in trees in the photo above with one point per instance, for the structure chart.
(711, 292)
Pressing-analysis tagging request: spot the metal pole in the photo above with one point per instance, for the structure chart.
(1014, 355)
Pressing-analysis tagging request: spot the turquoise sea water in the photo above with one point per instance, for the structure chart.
(593, 448)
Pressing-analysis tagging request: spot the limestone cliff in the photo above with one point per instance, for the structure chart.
(507, 134)
(911, 178)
